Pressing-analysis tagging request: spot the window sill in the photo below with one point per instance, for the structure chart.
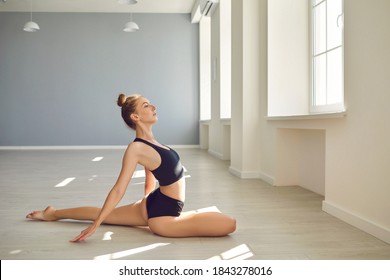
(319, 116)
(224, 121)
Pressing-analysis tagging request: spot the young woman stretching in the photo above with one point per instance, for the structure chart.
(161, 208)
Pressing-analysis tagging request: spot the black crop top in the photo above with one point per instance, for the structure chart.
(170, 169)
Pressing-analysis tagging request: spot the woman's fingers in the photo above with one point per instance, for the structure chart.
(78, 238)
(84, 234)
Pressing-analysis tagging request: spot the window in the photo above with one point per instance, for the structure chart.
(327, 56)
(225, 63)
(205, 68)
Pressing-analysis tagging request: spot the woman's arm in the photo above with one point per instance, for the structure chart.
(150, 181)
(129, 163)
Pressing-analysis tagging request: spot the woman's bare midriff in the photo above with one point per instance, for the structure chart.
(175, 190)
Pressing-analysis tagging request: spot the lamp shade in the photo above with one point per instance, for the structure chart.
(129, 2)
(131, 26)
(31, 26)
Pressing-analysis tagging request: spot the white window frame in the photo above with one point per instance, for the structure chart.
(327, 107)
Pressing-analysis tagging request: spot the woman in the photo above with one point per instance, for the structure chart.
(161, 208)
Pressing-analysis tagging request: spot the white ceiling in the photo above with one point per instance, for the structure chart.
(98, 6)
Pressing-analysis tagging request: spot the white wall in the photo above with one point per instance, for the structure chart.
(353, 159)
(300, 154)
(288, 71)
(357, 147)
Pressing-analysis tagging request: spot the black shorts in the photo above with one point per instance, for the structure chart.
(159, 205)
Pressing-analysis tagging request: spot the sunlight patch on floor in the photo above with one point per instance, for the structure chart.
(65, 182)
(14, 252)
(240, 252)
(123, 254)
(97, 159)
(208, 209)
(139, 174)
(139, 183)
(107, 235)
(92, 178)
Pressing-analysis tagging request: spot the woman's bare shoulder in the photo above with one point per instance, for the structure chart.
(135, 149)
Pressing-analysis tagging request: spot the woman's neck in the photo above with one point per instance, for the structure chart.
(144, 133)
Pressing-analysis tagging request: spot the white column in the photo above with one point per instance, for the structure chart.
(248, 81)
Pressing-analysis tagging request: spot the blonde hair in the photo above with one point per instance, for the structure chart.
(128, 105)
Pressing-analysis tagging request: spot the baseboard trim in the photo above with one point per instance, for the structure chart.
(267, 178)
(244, 174)
(252, 175)
(185, 146)
(87, 147)
(26, 148)
(215, 154)
(367, 226)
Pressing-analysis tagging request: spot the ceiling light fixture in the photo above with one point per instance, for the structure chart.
(131, 26)
(128, 2)
(31, 26)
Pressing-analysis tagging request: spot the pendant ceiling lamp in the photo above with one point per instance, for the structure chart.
(128, 2)
(31, 26)
(131, 26)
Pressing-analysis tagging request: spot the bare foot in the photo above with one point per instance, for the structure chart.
(43, 215)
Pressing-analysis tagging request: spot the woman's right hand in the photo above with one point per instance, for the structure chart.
(85, 233)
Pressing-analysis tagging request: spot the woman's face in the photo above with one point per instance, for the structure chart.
(146, 111)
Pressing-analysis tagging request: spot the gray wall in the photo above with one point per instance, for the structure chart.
(59, 86)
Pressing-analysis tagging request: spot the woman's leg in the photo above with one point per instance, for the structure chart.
(129, 215)
(193, 224)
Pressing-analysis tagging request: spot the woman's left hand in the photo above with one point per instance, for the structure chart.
(85, 233)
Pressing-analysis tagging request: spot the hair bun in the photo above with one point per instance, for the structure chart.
(121, 100)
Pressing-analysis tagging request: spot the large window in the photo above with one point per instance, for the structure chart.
(327, 56)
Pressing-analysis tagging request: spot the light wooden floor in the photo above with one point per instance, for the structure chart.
(273, 223)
